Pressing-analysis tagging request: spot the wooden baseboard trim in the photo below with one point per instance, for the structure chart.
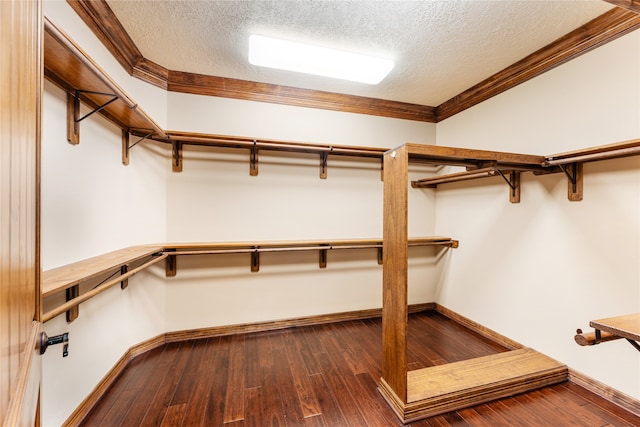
(614, 396)
(478, 328)
(274, 325)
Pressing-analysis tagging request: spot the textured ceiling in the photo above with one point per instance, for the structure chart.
(441, 48)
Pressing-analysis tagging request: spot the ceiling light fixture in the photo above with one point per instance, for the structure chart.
(320, 61)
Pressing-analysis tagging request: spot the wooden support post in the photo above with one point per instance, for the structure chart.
(73, 312)
(124, 283)
(171, 266)
(177, 156)
(255, 261)
(125, 147)
(394, 273)
(73, 126)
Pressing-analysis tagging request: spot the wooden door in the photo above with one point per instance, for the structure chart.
(20, 97)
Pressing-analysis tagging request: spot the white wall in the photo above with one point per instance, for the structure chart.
(215, 199)
(537, 270)
(92, 204)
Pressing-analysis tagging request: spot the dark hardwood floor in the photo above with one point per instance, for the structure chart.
(322, 375)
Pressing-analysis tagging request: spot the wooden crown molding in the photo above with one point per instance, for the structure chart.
(102, 21)
(603, 29)
(253, 91)
(632, 5)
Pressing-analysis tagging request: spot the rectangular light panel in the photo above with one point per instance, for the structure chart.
(320, 61)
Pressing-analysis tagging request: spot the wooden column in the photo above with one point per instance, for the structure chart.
(394, 276)
(20, 97)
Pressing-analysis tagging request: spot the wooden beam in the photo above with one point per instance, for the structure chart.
(394, 273)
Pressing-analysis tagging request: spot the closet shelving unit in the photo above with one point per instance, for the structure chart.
(67, 65)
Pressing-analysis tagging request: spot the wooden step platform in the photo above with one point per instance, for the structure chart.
(444, 388)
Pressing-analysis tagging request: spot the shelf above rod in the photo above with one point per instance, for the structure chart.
(604, 152)
(71, 68)
(254, 249)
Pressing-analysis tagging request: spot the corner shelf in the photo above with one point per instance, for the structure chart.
(68, 66)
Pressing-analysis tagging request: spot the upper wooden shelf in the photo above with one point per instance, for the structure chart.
(473, 158)
(212, 140)
(602, 152)
(61, 278)
(67, 65)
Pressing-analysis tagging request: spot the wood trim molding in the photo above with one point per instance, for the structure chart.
(254, 91)
(246, 328)
(603, 29)
(612, 395)
(632, 5)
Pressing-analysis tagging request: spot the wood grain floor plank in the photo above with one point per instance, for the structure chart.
(164, 394)
(234, 400)
(330, 408)
(174, 415)
(214, 412)
(335, 381)
(292, 411)
(160, 363)
(306, 395)
(253, 404)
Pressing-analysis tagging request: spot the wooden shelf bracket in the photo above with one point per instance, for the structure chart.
(323, 164)
(255, 260)
(73, 312)
(73, 112)
(253, 159)
(176, 156)
(573, 171)
(514, 184)
(125, 142)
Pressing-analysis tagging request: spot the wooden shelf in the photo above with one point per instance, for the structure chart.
(602, 152)
(62, 278)
(126, 262)
(254, 145)
(67, 65)
(612, 328)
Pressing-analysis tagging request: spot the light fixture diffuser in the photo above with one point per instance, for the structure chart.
(320, 61)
